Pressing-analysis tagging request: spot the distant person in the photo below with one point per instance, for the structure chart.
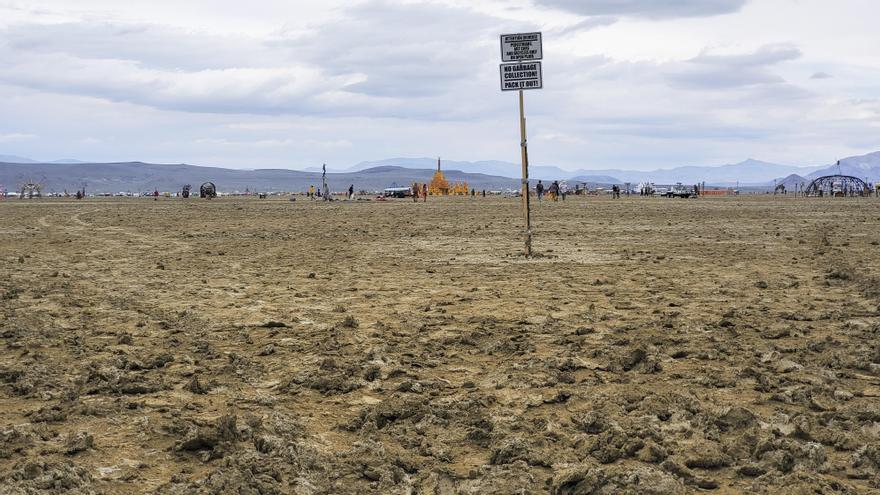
(425, 192)
(473, 192)
(351, 192)
(615, 191)
(326, 192)
(553, 191)
(415, 192)
(484, 193)
(156, 195)
(311, 193)
(539, 190)
(563, 191)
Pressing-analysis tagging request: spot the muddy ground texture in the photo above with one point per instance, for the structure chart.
(268, 347)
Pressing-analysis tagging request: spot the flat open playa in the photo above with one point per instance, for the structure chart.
(252, 346)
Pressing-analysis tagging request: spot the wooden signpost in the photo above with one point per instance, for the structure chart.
(522, 72)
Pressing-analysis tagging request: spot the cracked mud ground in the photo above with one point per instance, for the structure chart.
(268, 347)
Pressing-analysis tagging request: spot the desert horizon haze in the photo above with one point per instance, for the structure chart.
(113, 177)
(629, 85)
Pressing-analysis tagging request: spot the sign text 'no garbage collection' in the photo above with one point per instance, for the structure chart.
(522, 75)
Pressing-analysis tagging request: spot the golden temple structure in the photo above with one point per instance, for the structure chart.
(439, 186)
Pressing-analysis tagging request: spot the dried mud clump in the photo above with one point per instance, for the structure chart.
(78, 442)
(211, 440)
(515, 449)
(329, 378)
(33, 477)
(594, 480)
(613, 444)
(247, 473)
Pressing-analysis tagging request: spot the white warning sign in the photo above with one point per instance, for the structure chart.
(523, 75)
(524, 46)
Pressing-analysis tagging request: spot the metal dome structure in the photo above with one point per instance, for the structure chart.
(837, 186)
(208, 190)
(31, 190)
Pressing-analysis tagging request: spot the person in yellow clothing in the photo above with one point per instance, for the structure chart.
(553, 191)
(312, 192)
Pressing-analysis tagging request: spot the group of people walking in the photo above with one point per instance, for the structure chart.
(314, 194)
(554, 191)
(419, 191)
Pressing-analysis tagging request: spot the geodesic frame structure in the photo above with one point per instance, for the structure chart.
(31, 190)
(837, 186)
(208, 190)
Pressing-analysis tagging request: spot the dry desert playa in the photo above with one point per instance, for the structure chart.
(654, 346)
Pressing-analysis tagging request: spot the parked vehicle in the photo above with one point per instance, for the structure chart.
(679, 191)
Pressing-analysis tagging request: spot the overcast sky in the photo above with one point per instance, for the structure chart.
(633, 84)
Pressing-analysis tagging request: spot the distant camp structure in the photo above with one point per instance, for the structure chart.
(208, 190)
(185, 192)
(837, 186)
(31, 190)
(439, 186)
(460, 189)
(395, 191)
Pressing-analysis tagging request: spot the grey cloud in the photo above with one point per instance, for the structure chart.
(712, 71)
(723, 78)
(589, 23)
(378, 58)
(404, 50)
(665, 128)
(150, 45)
(765, 55)
(821, 75)
(660, 9)
(287, 89)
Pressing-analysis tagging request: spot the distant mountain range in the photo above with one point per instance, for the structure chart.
(751, 172)
(143, 177)
(136, 176)
(865, 167)
(20, 159)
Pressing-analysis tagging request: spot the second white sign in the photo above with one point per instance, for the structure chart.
(522, 75)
